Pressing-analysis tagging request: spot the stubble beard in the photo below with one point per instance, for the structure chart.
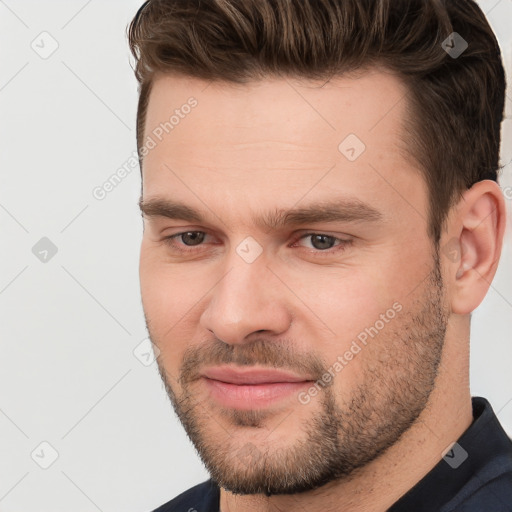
(341, 434)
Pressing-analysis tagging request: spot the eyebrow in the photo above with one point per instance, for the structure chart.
(340, 210)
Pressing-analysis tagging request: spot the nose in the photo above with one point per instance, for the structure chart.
(248, 299)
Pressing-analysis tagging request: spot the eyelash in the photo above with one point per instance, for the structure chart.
(343, 243)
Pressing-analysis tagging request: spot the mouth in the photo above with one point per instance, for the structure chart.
(251, 388)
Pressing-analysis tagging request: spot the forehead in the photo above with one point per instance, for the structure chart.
(282, 135)
(358, 103)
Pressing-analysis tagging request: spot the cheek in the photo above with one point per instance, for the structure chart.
(362, 310)
(167, 311)
(171, 296)
(346, 299)
(347, 303)
(160, 283)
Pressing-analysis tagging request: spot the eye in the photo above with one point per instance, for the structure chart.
(185, 242)
(189, 239)
(192, 237)
(322, 243)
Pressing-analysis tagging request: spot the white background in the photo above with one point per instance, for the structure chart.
(68, 375)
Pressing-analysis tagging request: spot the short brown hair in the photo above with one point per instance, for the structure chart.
(455, 104)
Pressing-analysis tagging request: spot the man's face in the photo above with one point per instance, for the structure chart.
(345, 312)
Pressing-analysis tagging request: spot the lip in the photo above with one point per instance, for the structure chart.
(249, 376)
(252, 388)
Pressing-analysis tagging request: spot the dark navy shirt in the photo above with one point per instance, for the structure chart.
(474, 476)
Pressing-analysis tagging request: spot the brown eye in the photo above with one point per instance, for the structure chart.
(185, 241)
(322, 242)
(192, 237)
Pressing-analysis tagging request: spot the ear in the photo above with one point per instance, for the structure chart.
(476, 232)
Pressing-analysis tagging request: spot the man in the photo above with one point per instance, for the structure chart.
(321, 216)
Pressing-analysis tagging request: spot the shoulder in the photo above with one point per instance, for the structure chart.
(495, 495)
(203, 497)
(489, 475)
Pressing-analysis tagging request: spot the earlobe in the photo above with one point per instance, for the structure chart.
(480, 224)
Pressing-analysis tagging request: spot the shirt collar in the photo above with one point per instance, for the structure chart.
(482, 442)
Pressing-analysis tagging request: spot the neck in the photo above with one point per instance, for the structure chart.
(382, 482)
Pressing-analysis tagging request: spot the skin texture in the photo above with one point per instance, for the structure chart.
(387, 416)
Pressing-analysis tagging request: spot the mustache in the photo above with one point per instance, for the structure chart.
(274, 354)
